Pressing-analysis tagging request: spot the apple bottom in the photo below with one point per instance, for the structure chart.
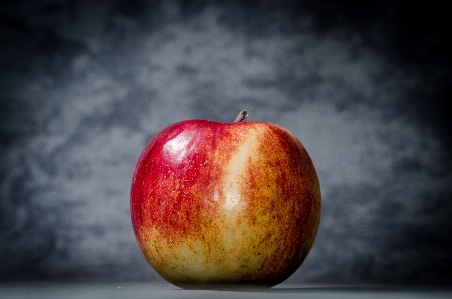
(226, 286)
(237, 256)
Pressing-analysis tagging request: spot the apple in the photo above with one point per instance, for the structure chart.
(225, 205)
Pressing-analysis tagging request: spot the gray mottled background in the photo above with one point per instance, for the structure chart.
(366, 87)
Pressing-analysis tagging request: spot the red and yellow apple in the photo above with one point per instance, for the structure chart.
(218, 205)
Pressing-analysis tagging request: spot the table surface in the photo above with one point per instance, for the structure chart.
(152, 290)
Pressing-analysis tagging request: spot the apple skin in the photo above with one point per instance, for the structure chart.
(225, 205)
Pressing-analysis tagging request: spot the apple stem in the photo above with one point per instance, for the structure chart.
(242, 115)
